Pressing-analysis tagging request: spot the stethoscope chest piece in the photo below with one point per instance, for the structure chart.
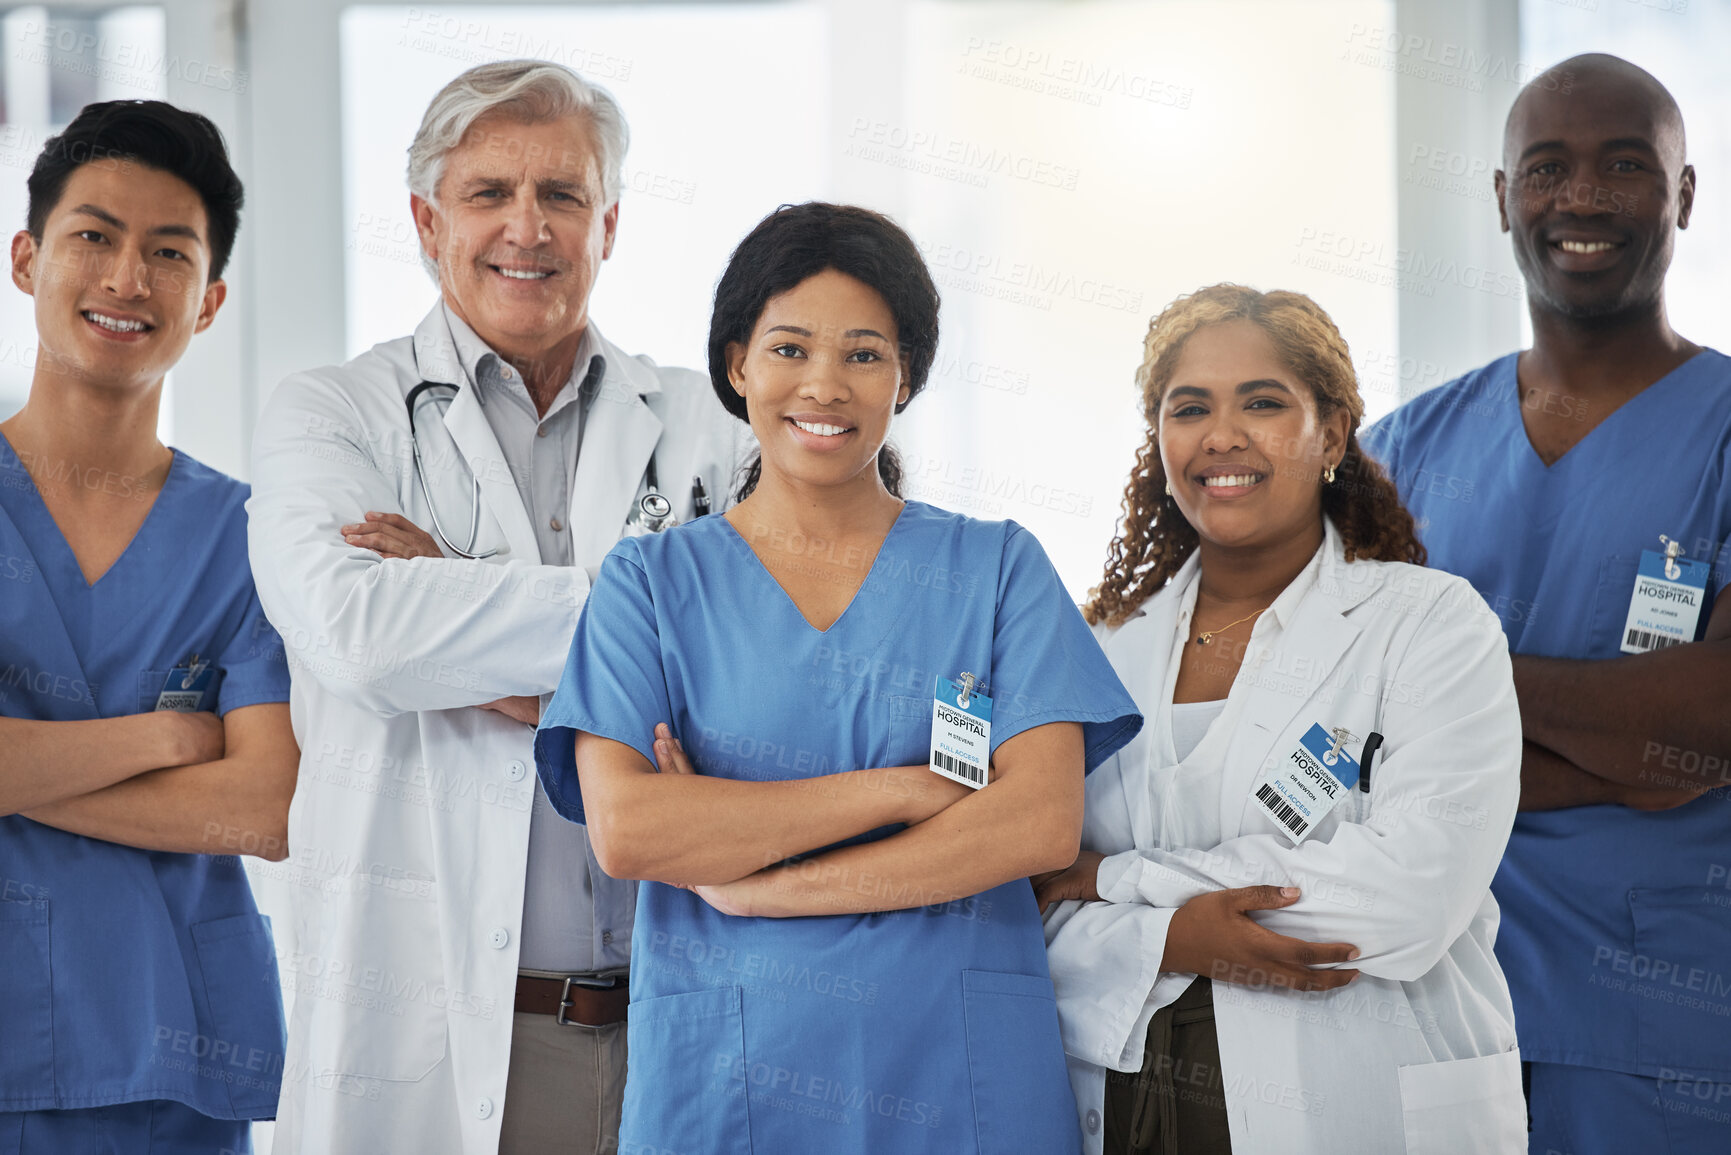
(654, 513)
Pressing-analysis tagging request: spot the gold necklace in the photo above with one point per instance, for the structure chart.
(1204, 638)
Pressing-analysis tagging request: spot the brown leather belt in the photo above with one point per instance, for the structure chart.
(571, 1004)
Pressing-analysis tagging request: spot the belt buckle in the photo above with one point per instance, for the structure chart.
(566, 1004)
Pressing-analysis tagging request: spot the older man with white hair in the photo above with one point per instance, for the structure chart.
(424, 521)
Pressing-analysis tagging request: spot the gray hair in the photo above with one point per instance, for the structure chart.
(533, 91)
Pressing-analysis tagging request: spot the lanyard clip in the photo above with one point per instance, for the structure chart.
(1673, 551)
(968, 683)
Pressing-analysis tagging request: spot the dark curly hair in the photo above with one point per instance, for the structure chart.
(796, 242)
(1154, 538)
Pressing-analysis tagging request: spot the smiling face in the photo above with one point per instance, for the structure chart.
(1242, 440)
(821, 378)
(119, 275)
(519, 232)
(1594, 191)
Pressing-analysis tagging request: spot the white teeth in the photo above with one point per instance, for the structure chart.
(526, 274)
(116, 324)
(1585, 246)
(1230, 480)
(821, 429)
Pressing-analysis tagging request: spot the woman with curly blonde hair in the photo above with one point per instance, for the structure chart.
(1278, 934)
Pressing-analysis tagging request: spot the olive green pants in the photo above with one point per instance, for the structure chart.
(1176, 1104)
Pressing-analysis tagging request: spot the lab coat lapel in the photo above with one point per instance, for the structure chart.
(1141, 650)
(436, 357)
(619, 437)
(1288, 679)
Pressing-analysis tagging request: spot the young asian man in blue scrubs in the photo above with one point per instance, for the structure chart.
(144, 725)
(1584, 487)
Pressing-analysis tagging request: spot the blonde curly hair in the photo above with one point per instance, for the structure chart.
(1154, 539)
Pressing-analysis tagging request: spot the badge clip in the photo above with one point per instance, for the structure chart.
(1673, 551)
(194, 670)
(968, 683)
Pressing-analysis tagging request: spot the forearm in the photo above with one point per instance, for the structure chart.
(237, 804)
(399, 635)
(1634, 720)
(1551, 782)
(48, 762)
(410, 634)
(981, 842)
(212, 808)
(1401, 895)
(690, 830)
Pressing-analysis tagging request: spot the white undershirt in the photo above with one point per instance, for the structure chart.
(1190, 722)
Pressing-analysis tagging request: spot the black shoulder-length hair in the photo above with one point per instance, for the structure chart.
(799, 241)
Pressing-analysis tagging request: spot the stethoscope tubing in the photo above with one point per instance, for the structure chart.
(652, 511)
(421, 477)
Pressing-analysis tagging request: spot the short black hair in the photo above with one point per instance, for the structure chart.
(797, 242)
(157, 135)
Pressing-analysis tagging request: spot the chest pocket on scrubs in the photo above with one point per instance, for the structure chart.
(150, 684)
(1611, 603)
(910, 730)
(27, 1011)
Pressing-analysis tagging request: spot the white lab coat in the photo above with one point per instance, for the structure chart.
(409, 829)
(1418, 1053)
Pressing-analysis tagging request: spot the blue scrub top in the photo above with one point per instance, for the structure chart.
(1616, 932)
(132, 974)
(924, 1030)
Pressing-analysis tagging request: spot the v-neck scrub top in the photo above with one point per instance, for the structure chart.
(1616, 933)
(924, 1030)
(132, 974)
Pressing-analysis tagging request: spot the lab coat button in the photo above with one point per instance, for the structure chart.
(514, 770)
(484, 1109)
(1093, 1122)
(497, 940)
(556, 524)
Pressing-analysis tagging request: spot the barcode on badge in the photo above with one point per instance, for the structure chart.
(1650, 641)
(1289, 818)
(973, 773)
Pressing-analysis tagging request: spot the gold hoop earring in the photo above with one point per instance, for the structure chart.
(1328, 476)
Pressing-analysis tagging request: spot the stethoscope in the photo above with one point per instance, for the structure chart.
(650, 513)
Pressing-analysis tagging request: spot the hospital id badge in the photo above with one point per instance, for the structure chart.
(184, 689)
(1299, 791)
(961, 731)
(1669, 593)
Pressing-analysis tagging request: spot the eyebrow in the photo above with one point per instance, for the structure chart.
(1639, 143)
(1243, 388)
(807, 332)
(115, 222)
(558, 183)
